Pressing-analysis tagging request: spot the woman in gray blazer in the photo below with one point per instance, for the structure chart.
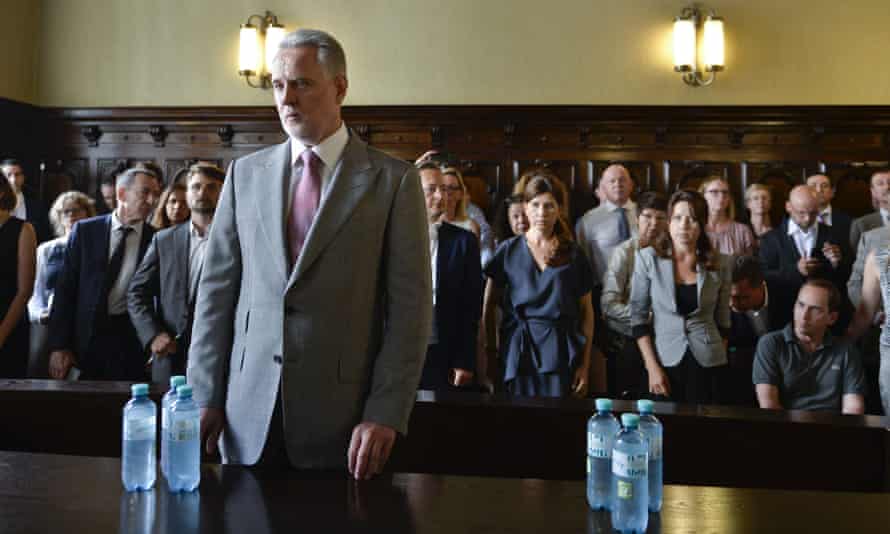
(680, 294)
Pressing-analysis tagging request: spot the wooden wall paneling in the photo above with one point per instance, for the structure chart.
(852, 184)
(569, 172)
(690, 174)
(780, 176)
(487, 181)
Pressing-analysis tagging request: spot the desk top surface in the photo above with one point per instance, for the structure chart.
(50, 493)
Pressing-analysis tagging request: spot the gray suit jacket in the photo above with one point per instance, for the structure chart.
(342, 335)
(653, 290)
(864, 224)
(876, 238)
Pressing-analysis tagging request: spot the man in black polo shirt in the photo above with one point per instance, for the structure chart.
(803, 367)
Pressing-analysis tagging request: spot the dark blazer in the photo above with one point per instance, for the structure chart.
(38, 216)
(458, 297)
(841, 225)
(79, 296)
(779, 257)
(158, 299)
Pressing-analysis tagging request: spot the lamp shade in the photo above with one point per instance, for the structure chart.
(274, 34)
(249, 49)
(713, 51)
(684, 44)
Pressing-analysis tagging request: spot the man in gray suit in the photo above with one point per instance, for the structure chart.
(162, 292)
(315, 302)
(879, 186)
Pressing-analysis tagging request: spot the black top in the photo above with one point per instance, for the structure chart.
(687, 298)
(9, 267)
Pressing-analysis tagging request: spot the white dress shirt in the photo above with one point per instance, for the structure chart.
(197, 246)
(20, 211)
(117, 294)
(825, 216)
(597, 233)
(330, 151)
(434, 255)
(805, 240)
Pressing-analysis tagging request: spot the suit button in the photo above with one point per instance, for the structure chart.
(277, 359)
(289, 310)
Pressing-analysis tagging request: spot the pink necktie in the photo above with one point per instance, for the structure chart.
(304, 204)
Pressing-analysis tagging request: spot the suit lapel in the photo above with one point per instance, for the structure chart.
(790, 245)
(271, 179)
(350, 182)
(668, 281)
(181, 245)
(443, 255)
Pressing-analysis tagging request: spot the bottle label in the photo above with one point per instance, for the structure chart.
(184, 430)
(624, 489)
(598, 445)
(139, 429)
(630, 465)
(655, 444)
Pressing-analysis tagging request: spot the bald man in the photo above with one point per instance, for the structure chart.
(802, 248)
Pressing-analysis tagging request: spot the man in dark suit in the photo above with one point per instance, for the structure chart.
(28, 208)
(879, 185)
(89, 328)
(457, 292)
(749, 304)
(801, 248)
(839, 222)
(162, 292)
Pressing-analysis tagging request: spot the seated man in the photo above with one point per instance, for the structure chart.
(457, 292)
(804, 367)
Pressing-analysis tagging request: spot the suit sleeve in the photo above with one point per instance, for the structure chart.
(776, 271)
(61, 319)
(145, 287)
(409, 306)
(640, 298)
(471, 306)
(218, 288)
(855, 234)
(854, 284)
(615, 282)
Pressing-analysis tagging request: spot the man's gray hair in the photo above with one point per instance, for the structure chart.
(328, 50)
(125, 179)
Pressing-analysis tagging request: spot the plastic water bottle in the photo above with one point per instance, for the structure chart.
(652, 429)
(185, 447)
(137, 512)
(169, 397)
(601, 431)
(630, 487)
(138, 458)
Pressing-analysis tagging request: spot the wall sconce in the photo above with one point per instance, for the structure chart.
(687, 48)
(257, 48)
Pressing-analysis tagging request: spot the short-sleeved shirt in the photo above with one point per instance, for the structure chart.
(816, 381)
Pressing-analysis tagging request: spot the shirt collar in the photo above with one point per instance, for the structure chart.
(629, 205)
(788, 334)
(193, 231)
(793, 228)
(116, 223)
(826, 211)
(329, 150)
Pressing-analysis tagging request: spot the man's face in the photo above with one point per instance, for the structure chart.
(811, 314)
(880, 186)
(652, 223)
(139, 199)
(821, 185)
(308, 100)
(804, 211)
(745, 297)
(202, 194)
(433, 193)
(15, 175)
(108, 196)
(616, 185)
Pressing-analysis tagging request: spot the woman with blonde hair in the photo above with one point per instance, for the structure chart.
(544, 282)
(726, 235)
(759, 202)
(172, 207)
(68, 208)
(457, 200)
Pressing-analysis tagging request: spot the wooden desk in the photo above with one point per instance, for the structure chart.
(482, 435)
(46, 493)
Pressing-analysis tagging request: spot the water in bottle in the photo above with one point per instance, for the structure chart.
(138, 448)
(169, 397)
(630, 486)
(185, 446)
(601, 431)
(652, 429)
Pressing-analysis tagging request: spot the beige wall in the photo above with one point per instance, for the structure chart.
(19, 43)
(184, 52)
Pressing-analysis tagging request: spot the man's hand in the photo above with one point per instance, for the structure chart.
(212, 422)
(369, 449)
(461, 377)
(163, 345)
(808, 266)
(832, 253)
(60, 362)
(658, 382)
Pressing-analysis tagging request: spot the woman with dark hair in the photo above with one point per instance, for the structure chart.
(18, 246)
(683, 283)
(545, 281)
(172, 207)
(510, 220)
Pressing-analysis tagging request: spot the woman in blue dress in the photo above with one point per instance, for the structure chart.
(547, 332)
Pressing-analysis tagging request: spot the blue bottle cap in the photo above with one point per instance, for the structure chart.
(630, 420)
(604, 405)
(176, 381)
(184, 392)
(645, 406)
(139, 390)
